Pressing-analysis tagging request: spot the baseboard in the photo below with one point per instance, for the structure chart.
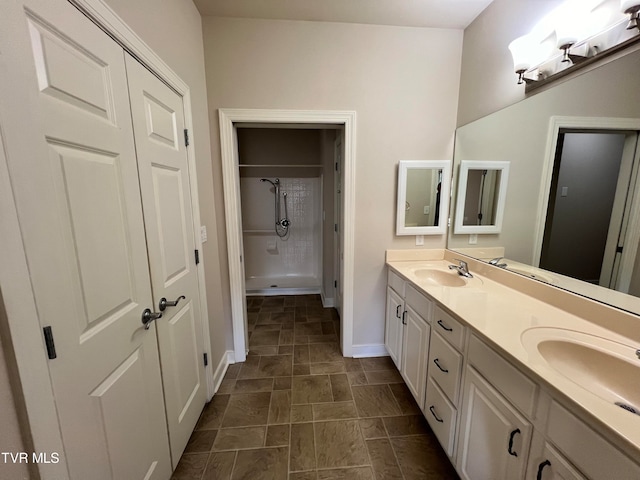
(227, 359)
(326, 302)
(369, 350)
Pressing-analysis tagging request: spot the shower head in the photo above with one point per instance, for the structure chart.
(277, 182)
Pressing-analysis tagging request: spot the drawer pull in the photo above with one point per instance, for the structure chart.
(398, 311)
(435, 360)
(404, 314)
(448, 329)
(541, 467)
(510, 449)
(433, 412)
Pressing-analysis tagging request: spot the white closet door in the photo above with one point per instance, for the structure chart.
(158, 120)
(75, 180)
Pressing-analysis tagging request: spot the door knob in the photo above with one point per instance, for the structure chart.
(148, 316)
(164, 303)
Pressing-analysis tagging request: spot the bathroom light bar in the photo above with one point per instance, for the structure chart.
(583, 30)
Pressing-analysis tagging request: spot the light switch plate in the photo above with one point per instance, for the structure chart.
(473, 239)
(203, 233)
(419, 239)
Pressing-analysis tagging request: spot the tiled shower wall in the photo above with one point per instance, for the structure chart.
(292, 262)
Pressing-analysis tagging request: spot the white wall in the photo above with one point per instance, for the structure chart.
(400, 81)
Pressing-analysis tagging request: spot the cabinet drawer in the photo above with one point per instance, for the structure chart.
(396, 282)
(586, 449)
(512, 383)
(445, 366)
(449, 327)
(417, 301)
(441, 416)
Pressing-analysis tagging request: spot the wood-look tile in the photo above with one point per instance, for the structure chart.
(213, 412)
(326, 367)
(302, 454)
(421, 458)
(300, 354)
(264, 337)
(383, 376)
(301, 413)
(282, 317)
(357, 378)
(275, 366)
(253, 385)
(277, 436)
(301, 369)
(226, 386)
(328, 338)
(340, 388)
(190, 466)
(264, 350)
(404, 397)
(239, 438)
(286, 337)
(358, 473)
(383, 460)
(301, 339)
(328, 328)
(311, 389)
(246, 409)
(308, 328)
(220, 466)
(280, 409)
(372, 428)
(406, 425)
(375, 401)
(264, 318)
(250, 367)
(285, 350)
(201, 441)
(261, 464)
(324, 352)
(303, 476)
(334, 411)
(268, 326)
(339, 444)
(377, 363)
(282, 383)
(233, 370)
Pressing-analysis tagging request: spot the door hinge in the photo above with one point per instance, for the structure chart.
(197, 255)
(186, 137)
(336, 166)
(206, 359)
(335, 284)
(335, 227)
(619, 249)
(48, 341)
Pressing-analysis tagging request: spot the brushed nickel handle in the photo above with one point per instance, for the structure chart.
(148, 316)
(164, 303)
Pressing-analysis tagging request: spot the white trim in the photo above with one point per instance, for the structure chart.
(556, 123)
(221, 369)
(230, 175)
(370, 350)
(327, 302)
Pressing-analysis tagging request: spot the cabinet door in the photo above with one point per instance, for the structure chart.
(494, 437)
(549, 464)
(415, 353)
(393, 326)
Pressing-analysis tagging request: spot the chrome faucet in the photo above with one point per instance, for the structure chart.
(495, 262)
(462, 268)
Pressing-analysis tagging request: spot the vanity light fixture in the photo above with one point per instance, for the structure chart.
(631, 8)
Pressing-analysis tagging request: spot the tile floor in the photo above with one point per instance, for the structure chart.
(298, 410)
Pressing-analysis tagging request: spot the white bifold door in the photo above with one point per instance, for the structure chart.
(102, 191)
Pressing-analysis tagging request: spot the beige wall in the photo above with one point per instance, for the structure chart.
(400, 81)
(173, 30)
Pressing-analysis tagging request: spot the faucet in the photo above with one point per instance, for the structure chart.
(495, 262)
(462, 268)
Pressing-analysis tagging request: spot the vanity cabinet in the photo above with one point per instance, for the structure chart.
(394, 326)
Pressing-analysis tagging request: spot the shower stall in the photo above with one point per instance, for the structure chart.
(281, 189)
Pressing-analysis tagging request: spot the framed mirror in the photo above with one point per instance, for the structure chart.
(423, 197)
(482, 192)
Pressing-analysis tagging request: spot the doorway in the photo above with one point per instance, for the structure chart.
(230, 121)
(589, 205)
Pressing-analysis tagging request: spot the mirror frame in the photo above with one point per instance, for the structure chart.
(445, 192)
(465, 166)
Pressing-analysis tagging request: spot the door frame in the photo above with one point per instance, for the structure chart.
(19, 321)
(229, 119)
(556, 124)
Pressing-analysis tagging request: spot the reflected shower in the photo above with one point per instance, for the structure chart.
(281, 224)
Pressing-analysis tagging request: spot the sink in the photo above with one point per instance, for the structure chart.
(603, 367)
(440, 277)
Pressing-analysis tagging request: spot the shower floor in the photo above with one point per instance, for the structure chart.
(292, 285)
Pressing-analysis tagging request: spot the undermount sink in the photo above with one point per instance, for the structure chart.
(603, 367)
(440, 277)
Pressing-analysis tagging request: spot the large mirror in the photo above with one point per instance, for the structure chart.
(481, 196)
(423, 197)
(532, 135)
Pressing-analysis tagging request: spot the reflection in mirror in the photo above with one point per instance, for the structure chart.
(423, 197)
(481, 195)
(530, 134)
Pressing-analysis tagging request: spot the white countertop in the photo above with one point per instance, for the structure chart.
(500, 315)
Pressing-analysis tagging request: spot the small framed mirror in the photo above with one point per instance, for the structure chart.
(423, 197)
(482, 191)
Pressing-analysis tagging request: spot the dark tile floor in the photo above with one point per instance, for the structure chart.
(298, 410)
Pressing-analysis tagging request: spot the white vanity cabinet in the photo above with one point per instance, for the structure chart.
(394, 324)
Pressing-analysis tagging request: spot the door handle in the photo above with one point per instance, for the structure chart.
(164, 303)
(148, 316)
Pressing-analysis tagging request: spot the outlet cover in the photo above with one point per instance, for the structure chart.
(419, 239)
(203, 233)
(473, 239)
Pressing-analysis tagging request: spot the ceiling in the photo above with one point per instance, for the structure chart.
(411, 13)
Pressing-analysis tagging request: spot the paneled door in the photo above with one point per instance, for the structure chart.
(158, 122)
(75, 181)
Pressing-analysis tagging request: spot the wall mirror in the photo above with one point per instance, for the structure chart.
(529, 134)
(482, 191)
(423, 197)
